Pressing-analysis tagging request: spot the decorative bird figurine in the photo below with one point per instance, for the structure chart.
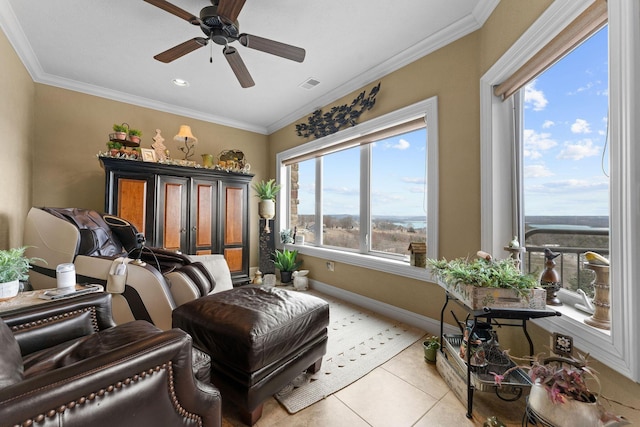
(594, 258)
(549, 255)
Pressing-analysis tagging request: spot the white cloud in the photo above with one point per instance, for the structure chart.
(579, 150)
(535, 143)
(580, 126)
(547, 124)
(570, 186)
(403, 144)
(534, 97)
(537, 171)
(413, 180)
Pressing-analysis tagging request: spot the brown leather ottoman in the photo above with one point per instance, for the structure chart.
(259, 339)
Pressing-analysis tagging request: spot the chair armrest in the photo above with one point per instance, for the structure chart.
(46, 325)
(146, 382)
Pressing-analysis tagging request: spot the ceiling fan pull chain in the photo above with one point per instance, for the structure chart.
(211, 53)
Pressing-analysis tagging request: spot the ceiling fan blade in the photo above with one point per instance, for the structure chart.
(238, 67)
(175, 10)
(230, 9)
(181, 50)
(273, 47)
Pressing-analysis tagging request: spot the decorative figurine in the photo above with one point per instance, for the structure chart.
(159, 147)
(515, 250)
(550, 280)
(601, 317)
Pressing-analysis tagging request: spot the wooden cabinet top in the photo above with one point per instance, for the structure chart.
(125, 165)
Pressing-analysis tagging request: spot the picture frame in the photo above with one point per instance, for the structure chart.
(148, 155)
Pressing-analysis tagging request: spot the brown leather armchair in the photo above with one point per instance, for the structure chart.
(66, 363)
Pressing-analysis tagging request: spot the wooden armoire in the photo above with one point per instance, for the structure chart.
(191, 210)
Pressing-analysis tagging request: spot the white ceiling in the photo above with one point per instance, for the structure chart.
(106, 48)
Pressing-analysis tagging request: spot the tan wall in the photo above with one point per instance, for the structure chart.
(16, 126)
(71, 128)
(452, 73)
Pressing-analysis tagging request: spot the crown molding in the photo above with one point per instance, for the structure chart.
(470, 23)
(459, 29)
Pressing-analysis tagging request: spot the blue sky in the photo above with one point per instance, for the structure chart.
(398, 177)
(565, 126)
(565, 129)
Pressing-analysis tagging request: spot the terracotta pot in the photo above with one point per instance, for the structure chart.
(121, 135)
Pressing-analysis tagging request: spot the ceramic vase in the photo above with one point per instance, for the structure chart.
(9, 290)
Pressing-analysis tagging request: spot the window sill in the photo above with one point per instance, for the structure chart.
(598, 343)
(386, 265)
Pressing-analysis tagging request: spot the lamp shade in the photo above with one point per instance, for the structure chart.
(185, 135)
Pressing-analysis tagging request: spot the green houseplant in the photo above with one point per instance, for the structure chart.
(120, 131)
(286, 261)
(134, 135)
(487, 282)
(431, 345)
(266, 191)
(14, 266)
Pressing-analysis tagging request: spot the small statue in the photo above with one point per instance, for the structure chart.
(159, 147)
(550, 280)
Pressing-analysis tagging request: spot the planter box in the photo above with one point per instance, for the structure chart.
(476, 298)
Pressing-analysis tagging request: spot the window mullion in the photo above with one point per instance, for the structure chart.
(319, 229)
(365, 198)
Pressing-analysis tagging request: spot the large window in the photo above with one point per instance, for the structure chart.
(367, 192)
(618, 347)
(566, 164)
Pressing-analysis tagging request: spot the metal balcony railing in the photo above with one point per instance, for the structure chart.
(571, 241)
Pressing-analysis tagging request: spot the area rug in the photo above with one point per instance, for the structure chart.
(359, 341)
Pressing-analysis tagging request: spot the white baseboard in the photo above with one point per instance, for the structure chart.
(427, 324)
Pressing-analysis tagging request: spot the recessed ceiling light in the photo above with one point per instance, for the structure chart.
(180, 82)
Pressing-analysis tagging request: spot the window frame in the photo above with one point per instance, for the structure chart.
(620, 348)
(427, 109)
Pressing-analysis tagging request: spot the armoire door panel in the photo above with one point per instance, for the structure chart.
(233, 256)
(132, 201)
(233, 231)
(173, 213)
(204, 215)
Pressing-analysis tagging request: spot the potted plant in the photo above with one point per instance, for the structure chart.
(431, 345)
(560, 393)
(266, 191)
(120, 131)
(286, 262)
(484, 282)
(114, 148)
(134, 136)
(14, 267)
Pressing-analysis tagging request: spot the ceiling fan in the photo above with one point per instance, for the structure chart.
(219, 23)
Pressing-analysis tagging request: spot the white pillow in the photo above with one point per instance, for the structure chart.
(217, 266)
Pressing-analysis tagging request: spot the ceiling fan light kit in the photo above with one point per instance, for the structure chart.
(219, 24)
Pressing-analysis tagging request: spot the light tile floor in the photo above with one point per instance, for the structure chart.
(405, 391)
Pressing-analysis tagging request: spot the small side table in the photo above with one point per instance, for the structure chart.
(31, 298)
